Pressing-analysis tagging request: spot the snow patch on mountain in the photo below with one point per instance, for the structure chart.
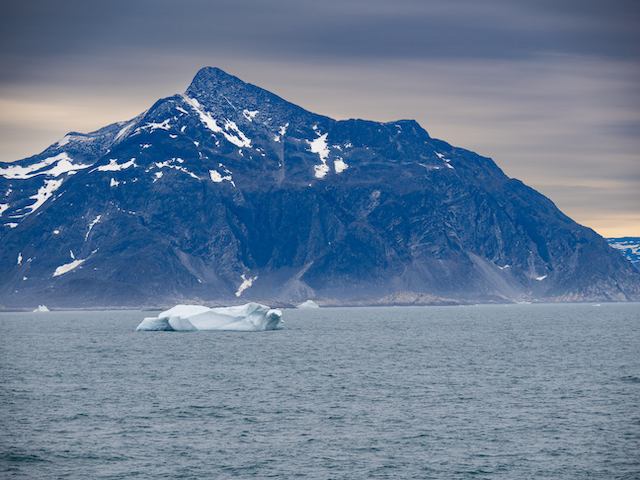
(124, 130)
(153, 126)
(282, 132)
(339, 165)
(62, 269)
(250, 115)
(246, 283)
(44, 193)
(171, 164)
(205, 118)
(115, 167)
(73, 138)
(240, 141)
(91, 225)
(319, 146)
(446, 160)
(63, 164)
(217, 178)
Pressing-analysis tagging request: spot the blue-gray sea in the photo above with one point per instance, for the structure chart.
(517, 391)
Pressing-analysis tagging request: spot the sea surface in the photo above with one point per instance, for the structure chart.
(514, 392)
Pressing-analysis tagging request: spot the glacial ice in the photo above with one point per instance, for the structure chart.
(251, 317)
(308, 304)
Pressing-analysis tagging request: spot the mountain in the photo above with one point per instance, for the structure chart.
(228, 193)
(629, 247)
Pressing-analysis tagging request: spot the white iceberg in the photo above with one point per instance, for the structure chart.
(308, 304)
(41, 308)
(251, 317)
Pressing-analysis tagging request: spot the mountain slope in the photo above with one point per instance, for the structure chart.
(228, 192)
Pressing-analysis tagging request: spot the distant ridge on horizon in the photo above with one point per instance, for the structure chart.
(228, 193)
(629, 247)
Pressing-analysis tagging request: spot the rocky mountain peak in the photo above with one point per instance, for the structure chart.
(229, 96)
(229, 193)
(212, 80)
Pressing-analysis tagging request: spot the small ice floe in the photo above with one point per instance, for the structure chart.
(251, 317)
(308, 304)
(42, 308)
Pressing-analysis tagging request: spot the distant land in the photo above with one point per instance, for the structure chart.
(228, 193)
(629, 247)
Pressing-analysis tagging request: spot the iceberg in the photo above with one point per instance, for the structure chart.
(41, 308)
(308, 304)
(251, 317)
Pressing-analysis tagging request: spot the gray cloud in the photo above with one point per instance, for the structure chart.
(549, 89)
(344, 29)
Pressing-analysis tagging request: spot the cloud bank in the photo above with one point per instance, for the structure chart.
(550, 90)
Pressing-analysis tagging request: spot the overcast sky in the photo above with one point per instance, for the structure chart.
(550, 89)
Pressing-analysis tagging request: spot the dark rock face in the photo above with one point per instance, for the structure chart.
(229, 193)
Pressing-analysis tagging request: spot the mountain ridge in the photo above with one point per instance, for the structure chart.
(629, 247)
(227, 192)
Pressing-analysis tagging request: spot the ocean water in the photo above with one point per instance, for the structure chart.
(517, 391)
